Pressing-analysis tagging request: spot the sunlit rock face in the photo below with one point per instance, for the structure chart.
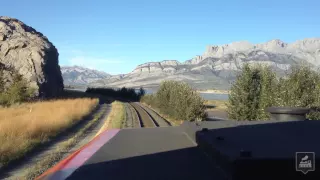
(31, 54)
(218, 65)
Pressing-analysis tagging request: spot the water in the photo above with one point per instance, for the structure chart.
(206, 96)
(212, 96)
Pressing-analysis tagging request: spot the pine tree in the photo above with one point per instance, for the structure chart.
(252, 92)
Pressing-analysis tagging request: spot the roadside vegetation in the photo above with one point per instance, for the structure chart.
(15, 90)
(178, 101)
(123, 93)
(257, 88)
(23, 127)
(116, 118)
(26, 122)
(59, 152)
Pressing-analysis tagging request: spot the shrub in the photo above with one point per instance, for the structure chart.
(150, 99)
(301, 88)
(177, 100)
(251, 93)
(257, 88)
(16, 92)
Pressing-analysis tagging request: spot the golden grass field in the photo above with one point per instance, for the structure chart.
(115, 118)
(26, 125)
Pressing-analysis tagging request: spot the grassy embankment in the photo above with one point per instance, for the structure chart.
(23, 127)
(116, 117)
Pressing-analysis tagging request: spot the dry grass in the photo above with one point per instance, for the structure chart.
(216, 104)
(55, 156)
(115, 118)
(25, 126)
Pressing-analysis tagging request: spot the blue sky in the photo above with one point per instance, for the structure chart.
(117, 35)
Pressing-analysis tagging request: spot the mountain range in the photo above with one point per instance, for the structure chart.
(216, 68)
(77, 75)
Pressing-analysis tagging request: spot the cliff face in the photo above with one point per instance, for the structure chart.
(32, 55)
(167, 66)
(231, 56)
(218, 65)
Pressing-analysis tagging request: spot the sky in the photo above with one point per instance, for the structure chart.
(117, 35)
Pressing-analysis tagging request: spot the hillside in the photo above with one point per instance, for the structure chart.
(77, 75)
(218, 65)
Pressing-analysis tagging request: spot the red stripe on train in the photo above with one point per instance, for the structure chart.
(67, 166)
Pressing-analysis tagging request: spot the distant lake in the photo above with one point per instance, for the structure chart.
(206, 96)
(212, 96)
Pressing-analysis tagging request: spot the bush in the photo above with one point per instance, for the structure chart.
(301, 88)
(177, 100)
(252, 92)
(257, 88)
(150, 99)
(16, 92)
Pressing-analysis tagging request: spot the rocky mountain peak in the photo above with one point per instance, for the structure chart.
(170, 63)
(307, 45)
(219, 64)
(219, 51)
(78, 75)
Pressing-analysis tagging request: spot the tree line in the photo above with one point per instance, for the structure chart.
(122, 93)
(257, 87)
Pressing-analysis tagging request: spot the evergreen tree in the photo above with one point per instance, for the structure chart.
(252, 92)
(301, 88)
(17, 91)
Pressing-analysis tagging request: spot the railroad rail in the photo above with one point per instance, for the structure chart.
(156, 117)
(132, 118)
(146, 119)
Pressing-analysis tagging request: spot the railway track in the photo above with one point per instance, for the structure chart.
(132, 118)
(156, 117)
(139, 116)
(145, 119)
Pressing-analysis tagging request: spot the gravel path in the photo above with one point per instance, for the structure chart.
(21, 168)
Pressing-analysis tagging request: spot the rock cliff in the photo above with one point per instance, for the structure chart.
(32, 55)
(218, 65)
